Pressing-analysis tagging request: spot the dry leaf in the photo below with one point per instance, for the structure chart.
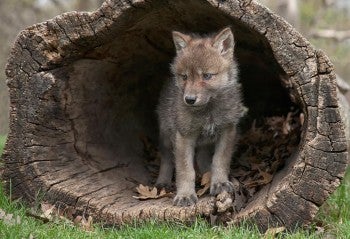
(240, 197)
(239, 172)
(87, 224)
(163, 194)
(77, 220)
(267, 178)
(82, 222)
(8, 218)
(46, 213)
(275, 165)
(206, 179)
(202, 191)
(69, 213)
(48, 210)
(223, 201)
(272, 232)
(286, 128)
(145, 192)
(205, 182)
(264, 179)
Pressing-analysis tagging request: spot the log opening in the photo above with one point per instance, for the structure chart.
(93, 85)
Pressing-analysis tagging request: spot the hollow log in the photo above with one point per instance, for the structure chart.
(84, 86)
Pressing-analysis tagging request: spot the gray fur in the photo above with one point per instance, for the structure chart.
(184, 127)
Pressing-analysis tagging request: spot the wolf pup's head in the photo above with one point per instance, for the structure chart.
(204, 66)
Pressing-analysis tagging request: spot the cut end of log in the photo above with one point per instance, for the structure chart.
(84, 88)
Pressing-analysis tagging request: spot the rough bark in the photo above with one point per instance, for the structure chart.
(83, 86)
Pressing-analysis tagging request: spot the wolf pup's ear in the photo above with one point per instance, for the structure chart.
(224, 41)
(180, 40)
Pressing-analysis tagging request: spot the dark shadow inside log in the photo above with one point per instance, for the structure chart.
(82, 143)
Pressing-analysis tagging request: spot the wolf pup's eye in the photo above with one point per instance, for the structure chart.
(207, 76)
(184, 77)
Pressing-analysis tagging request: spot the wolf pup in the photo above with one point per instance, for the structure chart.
(199, 108)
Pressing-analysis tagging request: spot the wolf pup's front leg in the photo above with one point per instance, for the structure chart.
(221, 162)
(185, 174)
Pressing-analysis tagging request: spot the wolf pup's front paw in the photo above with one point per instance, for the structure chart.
(185, 200)
(217, 188)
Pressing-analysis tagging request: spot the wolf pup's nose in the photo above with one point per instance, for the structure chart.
(190, 99)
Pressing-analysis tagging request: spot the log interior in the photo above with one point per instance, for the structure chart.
(110, 95)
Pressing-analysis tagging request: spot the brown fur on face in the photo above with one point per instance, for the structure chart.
(199, 56)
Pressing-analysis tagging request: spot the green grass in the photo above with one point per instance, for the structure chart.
(335, 213)
(334, 217)
(2, 143)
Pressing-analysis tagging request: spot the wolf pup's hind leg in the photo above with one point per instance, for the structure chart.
(166, 170)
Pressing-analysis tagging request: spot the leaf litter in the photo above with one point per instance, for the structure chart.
(264, 148)
(261, 151)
